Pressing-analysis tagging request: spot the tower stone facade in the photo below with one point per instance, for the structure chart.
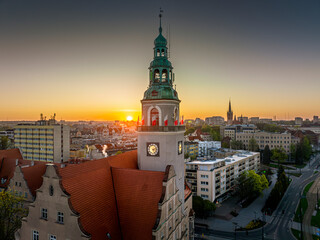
(161, 134)
(229, 114)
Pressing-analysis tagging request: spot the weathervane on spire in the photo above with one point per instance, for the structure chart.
(160, 16)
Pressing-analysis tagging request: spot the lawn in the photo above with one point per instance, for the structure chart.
(306, 189)
(296, 233)
(303, 203)
(294, 174)
(301, 166)
(315, 220)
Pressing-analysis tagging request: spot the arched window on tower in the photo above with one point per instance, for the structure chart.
(164, 75)
(158, 53)
(162, 52)
(156, 75)
(154, 117)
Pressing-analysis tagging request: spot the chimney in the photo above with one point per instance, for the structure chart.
(32, 163)
(17, 162)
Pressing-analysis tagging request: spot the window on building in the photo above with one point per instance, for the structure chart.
(154, 117)
(44, 213)
(52, 237)
(35, 235)
(60, 217)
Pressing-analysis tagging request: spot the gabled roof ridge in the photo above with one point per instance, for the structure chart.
(34, 196)
(69, 202)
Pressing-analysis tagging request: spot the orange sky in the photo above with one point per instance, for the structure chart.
(94, 65)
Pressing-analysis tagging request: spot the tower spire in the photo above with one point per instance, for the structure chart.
(160, 16)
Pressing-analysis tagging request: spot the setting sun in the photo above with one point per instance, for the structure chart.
(129, 118)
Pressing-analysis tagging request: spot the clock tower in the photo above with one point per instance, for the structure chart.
(161, 133)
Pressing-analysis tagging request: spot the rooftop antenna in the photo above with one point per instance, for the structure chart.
(169, 48)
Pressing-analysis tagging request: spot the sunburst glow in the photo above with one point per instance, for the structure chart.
(129, 118)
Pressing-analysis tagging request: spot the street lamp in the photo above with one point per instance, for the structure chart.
(235, 228)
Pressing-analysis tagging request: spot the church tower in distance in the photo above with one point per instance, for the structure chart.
(229, 114)
(160, 133)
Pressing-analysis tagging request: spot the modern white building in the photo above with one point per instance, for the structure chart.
(212, 179)
(205, 145)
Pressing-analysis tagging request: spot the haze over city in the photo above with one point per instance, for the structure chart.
(88, 60)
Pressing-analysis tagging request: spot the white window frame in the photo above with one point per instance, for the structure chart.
(35, 235)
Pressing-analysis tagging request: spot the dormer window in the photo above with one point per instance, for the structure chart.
(51, 190)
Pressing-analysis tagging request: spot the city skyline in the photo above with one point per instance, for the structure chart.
(89, 61)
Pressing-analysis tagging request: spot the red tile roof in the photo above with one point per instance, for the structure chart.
(92, 194)
(187, 191)
(33, 176)
(8, 164)
(138, 193)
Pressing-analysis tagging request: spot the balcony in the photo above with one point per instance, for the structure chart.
(161, 128)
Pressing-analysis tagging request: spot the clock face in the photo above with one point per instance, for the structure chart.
(180, 147)
(153, 149)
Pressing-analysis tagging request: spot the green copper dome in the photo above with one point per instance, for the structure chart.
(160, 41)
(160, 92)
(161, 62)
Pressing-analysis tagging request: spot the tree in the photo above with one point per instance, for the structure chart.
(4, 143)
(208, 208)
(299, 155)
(186, 155)
(279, 154)
(236, 144)
(293, 149)
(225, 142)
(280, 171)
(203, 208)
(215, 133)
(306, 149)
(206, 128)
(11, 214)
(251, 184)
(253, 145)
(266, 155)
(189, 130)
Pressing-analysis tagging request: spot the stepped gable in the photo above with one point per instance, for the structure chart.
(8, 164)
(138, 194)
(92, 194)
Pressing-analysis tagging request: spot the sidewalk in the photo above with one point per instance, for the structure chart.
(312, 201)
(245, 214)
(312, 230)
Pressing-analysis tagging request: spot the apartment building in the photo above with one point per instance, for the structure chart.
(215, 120)
(205, 145)
(44, 140)
(232, 130)
(274, 140)
(212, 179)
(191, 148)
